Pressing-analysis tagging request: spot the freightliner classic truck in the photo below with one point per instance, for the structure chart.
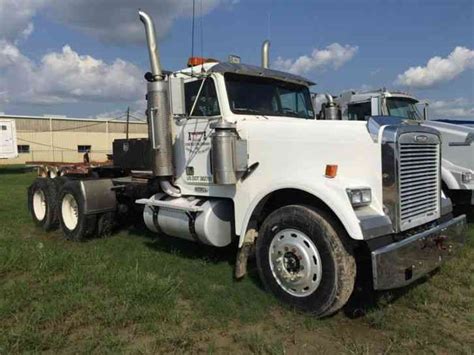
(234, 156)
(457, 141)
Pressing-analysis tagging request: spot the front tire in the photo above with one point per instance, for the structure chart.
(302, 260)
(75, 224)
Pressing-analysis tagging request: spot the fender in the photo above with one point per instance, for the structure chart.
(449, 179)
(331, 193)
(98, 195)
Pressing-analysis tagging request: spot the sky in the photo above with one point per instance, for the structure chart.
(86, 58)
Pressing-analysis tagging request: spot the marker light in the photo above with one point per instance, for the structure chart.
(331, 171)
(193, 61)
(466, 177)
(360, 196)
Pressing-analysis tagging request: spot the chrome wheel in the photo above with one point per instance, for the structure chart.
(39, 205)
(70, 211)
(295, 262)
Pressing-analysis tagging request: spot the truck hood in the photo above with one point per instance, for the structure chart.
(460, 131)
(305, 147)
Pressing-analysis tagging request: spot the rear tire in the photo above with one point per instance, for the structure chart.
(42, 203)
(302, 260)
(75, 224)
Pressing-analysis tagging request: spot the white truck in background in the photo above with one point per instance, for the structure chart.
(235, 157)
(8, 147)
(457, 141)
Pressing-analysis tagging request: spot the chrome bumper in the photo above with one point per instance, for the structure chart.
(400, 263)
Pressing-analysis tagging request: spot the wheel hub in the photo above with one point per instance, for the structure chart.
(291, 262)
(295, 262)
(39, 205)
(70, 211)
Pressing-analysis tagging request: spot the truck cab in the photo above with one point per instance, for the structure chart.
(457, 140)
(235, 157)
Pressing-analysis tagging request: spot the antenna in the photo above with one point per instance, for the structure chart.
(201, 29)
(202, 34)
(192, 33)
(128, 120)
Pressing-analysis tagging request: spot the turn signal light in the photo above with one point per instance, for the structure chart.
(331, 171)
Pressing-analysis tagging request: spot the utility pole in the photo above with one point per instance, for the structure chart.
(128, 119)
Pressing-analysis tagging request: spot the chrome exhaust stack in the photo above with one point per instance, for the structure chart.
(266, 54)
(153, 51)
(158, 113)
(331, 111)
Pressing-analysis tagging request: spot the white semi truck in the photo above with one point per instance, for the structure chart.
(8, 147)
(234, 156)
(457, 141)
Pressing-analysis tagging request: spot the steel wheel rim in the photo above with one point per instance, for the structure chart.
(39, 205)
(69, 211)
(295, 262)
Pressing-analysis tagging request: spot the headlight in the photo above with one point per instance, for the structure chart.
(360, 196)
(466, 177)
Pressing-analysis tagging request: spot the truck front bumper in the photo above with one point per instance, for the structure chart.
(400, 263)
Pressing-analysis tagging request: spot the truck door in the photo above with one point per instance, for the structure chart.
(7, 140)
(202, 108)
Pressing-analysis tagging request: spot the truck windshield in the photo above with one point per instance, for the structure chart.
(403, 107)
(266, 96)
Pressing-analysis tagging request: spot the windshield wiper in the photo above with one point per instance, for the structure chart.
(251, 110)
(248, 110)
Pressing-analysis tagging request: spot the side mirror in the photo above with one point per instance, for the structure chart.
(375, 106)
(176, 92)
(425, 112)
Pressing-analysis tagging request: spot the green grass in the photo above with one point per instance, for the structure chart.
(136, 293)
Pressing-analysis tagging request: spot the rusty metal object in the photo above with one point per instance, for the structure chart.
(54, 169)
(244, 253)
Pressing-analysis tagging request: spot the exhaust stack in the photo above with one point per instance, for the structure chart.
(158, 112)
(153, 51)
(266, 54)
(331, 111)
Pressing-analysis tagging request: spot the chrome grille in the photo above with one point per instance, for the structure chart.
(419, 181)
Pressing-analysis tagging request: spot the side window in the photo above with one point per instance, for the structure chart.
(23, 148)
(83, 148)
(359, 112)
(207, 103)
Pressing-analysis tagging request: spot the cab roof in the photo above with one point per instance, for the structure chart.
(247, 69)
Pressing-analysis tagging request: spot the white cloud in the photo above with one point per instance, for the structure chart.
(16, 16)
(66, 76)
(334, 56)
(456, 108)
(438, 70)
